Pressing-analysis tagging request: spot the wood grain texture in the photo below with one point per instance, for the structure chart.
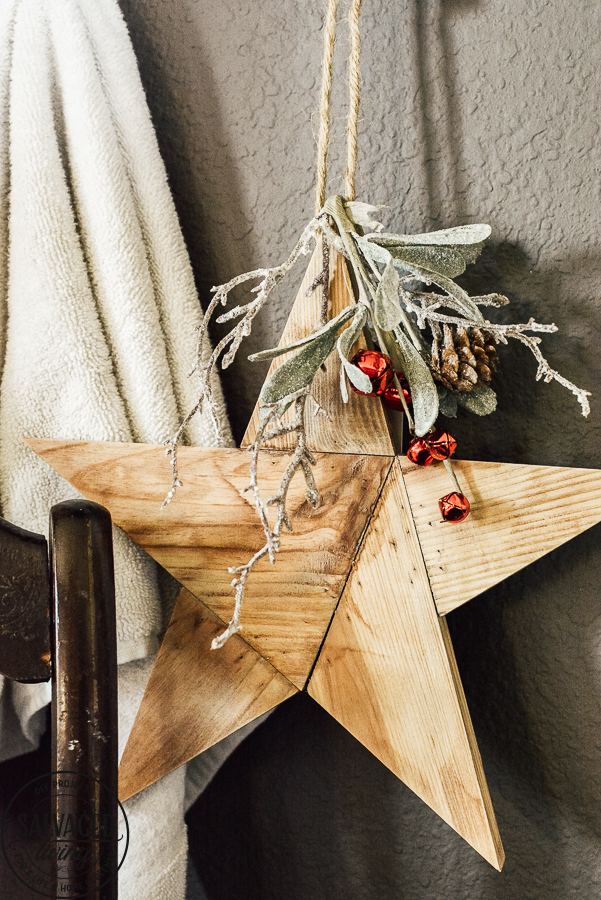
(359, 426)
(388, 674)
(195, 696)
(518, 514)
(212, 524)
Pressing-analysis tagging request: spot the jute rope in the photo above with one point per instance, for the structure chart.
(355, 97)
(324, 106)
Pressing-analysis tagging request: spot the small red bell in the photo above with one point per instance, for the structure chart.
(378, 369)
(441, 444)
(391, 396)
(454, 507)
(418, 452)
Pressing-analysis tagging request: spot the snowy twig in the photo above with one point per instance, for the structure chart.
(302, 459)
(545, 371)
(270, 278)
(427, 311)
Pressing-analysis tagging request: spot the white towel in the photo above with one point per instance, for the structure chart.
(98, 312)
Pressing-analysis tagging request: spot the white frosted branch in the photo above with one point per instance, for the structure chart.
(427, 311)
(302, 459)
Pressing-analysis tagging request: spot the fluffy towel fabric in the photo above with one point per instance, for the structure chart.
(98, 312)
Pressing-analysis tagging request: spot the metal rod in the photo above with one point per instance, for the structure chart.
(84, 708)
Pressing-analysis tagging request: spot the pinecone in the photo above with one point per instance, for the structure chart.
(466, 360)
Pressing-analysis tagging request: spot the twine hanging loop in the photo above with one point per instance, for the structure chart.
(326, 93)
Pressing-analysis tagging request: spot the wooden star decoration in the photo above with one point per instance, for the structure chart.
(354, 609)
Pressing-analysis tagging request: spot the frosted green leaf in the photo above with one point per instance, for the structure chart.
(361, 214)
(377, 254)
(440, 260)
(345, 343)
(298, 371)
(401, 268)
(463, 234)
(387, 309)
(333, 325)
(351, 334)
(423, 390)
(447, 402)
(481, 401)
(468, 306)
(470, 252)
(374, 252)
(280, 410)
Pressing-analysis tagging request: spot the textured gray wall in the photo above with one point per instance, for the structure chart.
(473, 110)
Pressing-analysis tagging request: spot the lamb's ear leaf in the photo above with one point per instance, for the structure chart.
(470, 252)
(298, 371)
(439, 260)
(387, 309)
(448, 237)
(423, 390)
(362, 214)
(377, 254)
(481, 400)
(281, 408)
(470, 310)
(383, 255)
(345, 343)
(333, 324)
(447, 402)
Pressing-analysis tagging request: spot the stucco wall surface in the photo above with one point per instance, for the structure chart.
(472, 111)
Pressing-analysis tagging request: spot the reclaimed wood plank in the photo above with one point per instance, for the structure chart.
(359, 426)
(518, 514)
(195, 696)
(212, 524)
(388, 674)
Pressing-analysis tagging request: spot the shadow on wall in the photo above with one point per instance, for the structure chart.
(441, 134)
(185, 109)
(527, 651)
(524, 427)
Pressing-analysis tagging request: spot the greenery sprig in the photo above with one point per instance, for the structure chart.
(407, 322)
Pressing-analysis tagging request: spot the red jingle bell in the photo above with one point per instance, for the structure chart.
(391, 397)
(378, 369)
(442, 444)
(418, 452)
(454, 507)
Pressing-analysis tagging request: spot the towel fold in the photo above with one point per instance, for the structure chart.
(98, 313)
